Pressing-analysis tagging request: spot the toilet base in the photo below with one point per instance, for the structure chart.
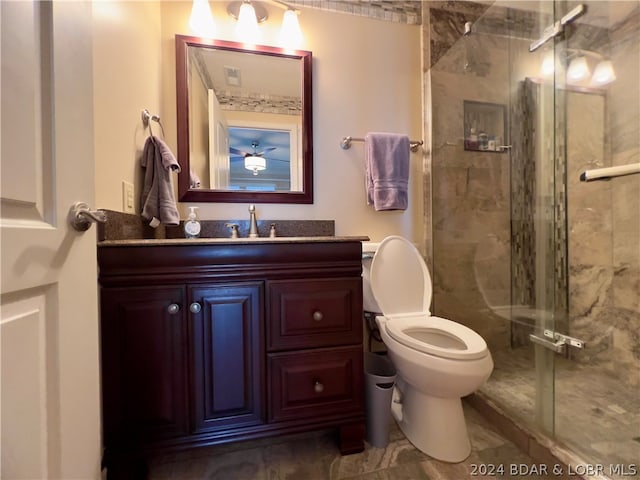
(435, 426)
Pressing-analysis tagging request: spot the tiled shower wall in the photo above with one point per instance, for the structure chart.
(469, 209)
(469, 202)
(604, 217)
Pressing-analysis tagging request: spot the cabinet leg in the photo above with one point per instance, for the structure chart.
(126, 468)
(351, 438)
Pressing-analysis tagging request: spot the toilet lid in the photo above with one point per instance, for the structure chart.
(400, 280)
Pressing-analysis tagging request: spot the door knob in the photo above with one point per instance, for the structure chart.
(81, 216)
(195, 307)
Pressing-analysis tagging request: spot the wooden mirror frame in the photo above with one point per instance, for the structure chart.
(185, 193)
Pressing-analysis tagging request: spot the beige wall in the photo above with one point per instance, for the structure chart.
(366, 77)
(127, 79)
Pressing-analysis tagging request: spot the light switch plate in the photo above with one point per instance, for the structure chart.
(127, 197)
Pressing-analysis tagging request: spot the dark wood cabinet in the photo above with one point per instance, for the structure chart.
(145, 364)
(206, 343)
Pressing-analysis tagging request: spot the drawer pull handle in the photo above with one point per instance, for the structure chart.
(318, 387)
(173, 308)
(317, 315)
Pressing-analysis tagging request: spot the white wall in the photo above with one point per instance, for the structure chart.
(366, 77)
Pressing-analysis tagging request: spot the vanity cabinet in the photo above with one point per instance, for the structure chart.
(211, 342)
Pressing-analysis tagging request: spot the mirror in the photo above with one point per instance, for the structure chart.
(244, 120)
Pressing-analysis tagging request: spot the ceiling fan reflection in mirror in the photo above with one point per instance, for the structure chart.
(253, 161)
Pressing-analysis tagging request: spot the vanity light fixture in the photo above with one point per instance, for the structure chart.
(578, 71)
(250, 14)
(255, 163)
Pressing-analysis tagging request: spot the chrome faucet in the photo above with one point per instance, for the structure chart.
(253, 224)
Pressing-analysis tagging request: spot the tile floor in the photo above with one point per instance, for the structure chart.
(596, 415)
(314, 456)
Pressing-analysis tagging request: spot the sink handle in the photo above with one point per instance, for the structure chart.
(234, 229)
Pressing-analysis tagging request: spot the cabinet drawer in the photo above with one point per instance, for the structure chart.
(314, 383)
(314, 313)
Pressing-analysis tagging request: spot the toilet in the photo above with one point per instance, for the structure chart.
(438, 361)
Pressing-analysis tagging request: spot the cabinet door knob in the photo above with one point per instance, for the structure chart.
(195, 307)
(317, 315)
(318, 387)
(173, 308)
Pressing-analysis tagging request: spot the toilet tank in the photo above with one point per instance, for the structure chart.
(368, 300)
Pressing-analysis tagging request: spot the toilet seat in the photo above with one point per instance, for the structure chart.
(402, 286)
(437, 336)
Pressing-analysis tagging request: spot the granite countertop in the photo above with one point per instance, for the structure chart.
(229, 241)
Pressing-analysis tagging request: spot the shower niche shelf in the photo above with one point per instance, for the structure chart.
(484, 126)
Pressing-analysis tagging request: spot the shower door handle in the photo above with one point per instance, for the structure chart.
(558, 346)
(556, 341)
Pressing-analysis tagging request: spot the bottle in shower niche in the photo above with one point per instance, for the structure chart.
(192, 225)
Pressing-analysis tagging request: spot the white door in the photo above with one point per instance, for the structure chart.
(49, 378)
(219, 162)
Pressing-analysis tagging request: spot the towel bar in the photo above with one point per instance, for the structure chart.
(346, 143)
(609, 172)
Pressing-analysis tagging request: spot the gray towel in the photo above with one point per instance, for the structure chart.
(387, 170)
(158, 203)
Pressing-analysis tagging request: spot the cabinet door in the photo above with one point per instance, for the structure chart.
(144, 364)
(228, 355)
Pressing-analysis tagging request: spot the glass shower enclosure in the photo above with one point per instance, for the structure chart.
(545, 266)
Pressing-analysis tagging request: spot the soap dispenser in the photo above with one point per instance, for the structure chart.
(192, 225)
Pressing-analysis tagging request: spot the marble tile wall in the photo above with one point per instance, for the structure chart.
(604, 217)
(469, 202)
(409, 12)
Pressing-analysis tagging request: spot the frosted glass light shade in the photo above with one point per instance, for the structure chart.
(255, 164)
(247, 27)
(604, 73)
(548, 64)
(578, 70)
(290, 34)
(201, 20)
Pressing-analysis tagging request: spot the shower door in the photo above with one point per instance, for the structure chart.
(597, 107)
(544, 266)
(580, 265)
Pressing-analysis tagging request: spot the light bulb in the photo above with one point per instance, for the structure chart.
(603, 73)
(548, 64)
(578, 70)
(290, 34)
(201, 21)
(247, 27)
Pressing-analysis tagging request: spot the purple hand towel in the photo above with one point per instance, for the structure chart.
(387, 170)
